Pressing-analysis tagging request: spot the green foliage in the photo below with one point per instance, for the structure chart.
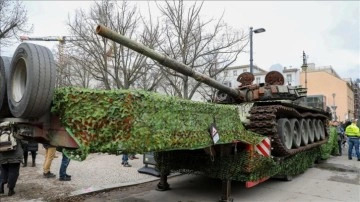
(331, 147)
(141, 121)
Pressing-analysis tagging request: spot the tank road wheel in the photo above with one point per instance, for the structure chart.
(321, 129)
(31, 81)
(317, 130)
(285, 132)
(304, 132)
(295, 125)
(311, 130)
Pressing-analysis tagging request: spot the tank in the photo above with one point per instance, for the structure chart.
(271, 109)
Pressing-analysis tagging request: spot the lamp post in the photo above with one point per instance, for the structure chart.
(256, 31)
(334, 107)
(304, 68)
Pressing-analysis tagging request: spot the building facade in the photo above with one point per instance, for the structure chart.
(339, 92)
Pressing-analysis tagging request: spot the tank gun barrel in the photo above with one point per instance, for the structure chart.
(164, 60)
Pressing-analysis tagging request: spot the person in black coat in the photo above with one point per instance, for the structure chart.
(10, 167)
(32, 147)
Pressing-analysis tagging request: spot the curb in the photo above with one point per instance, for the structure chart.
(95, 189)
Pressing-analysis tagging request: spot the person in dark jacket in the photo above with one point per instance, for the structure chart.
(32, 147)
(10, 167)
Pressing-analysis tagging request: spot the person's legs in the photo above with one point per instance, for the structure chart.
(4, 176)
(33, 157)
(125, 159)
(356, 145)
(351, 144)
(50, 154)
(64, 164)
(13, 176)
(26, 152)
(340, 149)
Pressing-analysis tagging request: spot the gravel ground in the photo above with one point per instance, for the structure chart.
(97, 172)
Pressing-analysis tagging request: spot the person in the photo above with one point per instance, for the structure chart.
(49, 156)
(63, 176)
(340, 136)
(132, 157)
(353, 134)
(10, 167)
(32, 147)
(125, 158)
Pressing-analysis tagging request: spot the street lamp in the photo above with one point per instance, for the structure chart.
(256, 31)
(304, 68)
(334, 107)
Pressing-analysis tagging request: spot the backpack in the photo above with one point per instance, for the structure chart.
(7, 139)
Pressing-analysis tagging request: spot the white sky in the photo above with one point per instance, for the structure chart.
(328, 31)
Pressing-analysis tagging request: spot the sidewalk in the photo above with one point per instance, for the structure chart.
(97, 172)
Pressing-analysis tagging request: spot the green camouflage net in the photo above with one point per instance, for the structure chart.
(239, 167)
(141, 121)
(331, 147)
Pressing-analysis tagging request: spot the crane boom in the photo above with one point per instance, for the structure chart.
(61, 39)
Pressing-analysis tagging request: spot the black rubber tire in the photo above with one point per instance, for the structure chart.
(317, 130)
(295, 125)
(304, 132)
(311, 130)
(285, 132)
(5, 63)
(31, 83)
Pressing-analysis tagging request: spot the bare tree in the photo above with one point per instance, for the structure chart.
(111, 64)
(196, 43)
(13, 20)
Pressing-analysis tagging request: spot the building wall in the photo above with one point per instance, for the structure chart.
(325, 83)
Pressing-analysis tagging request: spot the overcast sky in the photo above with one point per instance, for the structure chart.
(328, 32)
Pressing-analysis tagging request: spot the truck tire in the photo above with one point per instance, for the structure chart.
(4, 75)
(31, 82)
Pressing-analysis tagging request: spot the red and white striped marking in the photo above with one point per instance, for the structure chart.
(264, 147)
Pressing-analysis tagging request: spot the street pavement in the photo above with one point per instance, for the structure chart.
(100, 172)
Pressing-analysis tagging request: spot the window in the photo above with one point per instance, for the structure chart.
(225, 73)
(288, 78)
(257, 80)
(227, 83)
(234, 73)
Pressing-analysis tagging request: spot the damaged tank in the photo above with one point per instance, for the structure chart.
(292, 131)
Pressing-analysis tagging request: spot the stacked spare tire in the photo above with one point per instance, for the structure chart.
(27, 82)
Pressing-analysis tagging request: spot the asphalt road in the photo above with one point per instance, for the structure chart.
(336, 179)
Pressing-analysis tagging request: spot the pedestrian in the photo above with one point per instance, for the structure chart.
(340, 135)
(125, 159)
(63, 176)
(132, 157)
(10, 167)
(49, 156)
(353, 134)
(32, 147)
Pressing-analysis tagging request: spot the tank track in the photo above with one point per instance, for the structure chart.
(263, 120)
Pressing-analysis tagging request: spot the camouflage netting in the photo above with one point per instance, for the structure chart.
(331, 147)
(242, 166)
(140, 121)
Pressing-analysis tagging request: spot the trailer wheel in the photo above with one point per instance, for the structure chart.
(285, 132)
(304, 132)
(296, 134)
(31, 81)
(4, 75)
